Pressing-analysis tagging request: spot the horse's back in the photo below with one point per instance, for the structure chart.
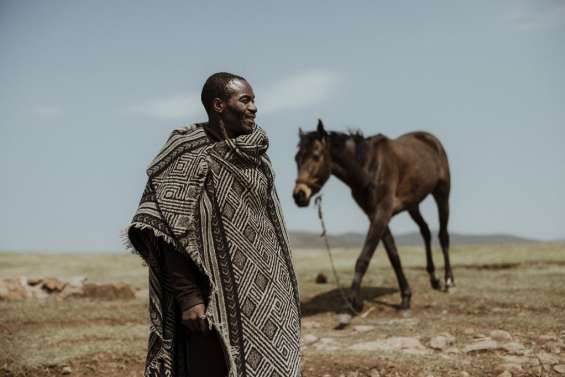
(424, 152)
(423, 137)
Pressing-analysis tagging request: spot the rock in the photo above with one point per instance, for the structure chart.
(52, 284)
(514, 348)
(404, 344)
(374, 373)
(142, 293)
(71, 291)
(522, 360)
(309, 324)
(452, 350)
(321, 278)
(548, 336)
(505, 374)
(468, 331)
(465, 374)
(34, 281)
(442, 342)
(112, 291)
(554, 347)
(66, 370)
(560, 368)
(343, 320)
(500, 335)
(353, 374)
(75, 281)
(547, 358)
(309, 339)
(363, 328)
(12, 290)
(36, 291)
(327, 344)
(481, 346)
(512, 368)
(41, 288)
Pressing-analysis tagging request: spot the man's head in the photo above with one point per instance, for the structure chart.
(230, 99)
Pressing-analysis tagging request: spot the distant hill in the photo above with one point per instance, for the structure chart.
(299, 239)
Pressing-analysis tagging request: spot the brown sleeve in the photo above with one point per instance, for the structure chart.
(182, 278)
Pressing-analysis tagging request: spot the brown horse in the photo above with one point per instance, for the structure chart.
(386, 177)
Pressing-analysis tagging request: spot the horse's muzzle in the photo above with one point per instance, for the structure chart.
(300, 198)
(301, 194)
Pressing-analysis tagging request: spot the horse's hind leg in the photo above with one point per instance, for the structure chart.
(390, 247)
(441, 196)
(426, 235)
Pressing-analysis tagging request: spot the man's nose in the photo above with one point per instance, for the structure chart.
(252, 107)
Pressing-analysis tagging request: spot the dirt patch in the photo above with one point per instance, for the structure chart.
(335, 365)
(114, 291)
(99, 365)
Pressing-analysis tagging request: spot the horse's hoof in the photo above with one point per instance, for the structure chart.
(449, 286)
(343, 320)
(356, 304)
(406, 313)
(404, 305)
(436, 284)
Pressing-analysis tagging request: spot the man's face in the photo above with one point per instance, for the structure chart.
(239, 110)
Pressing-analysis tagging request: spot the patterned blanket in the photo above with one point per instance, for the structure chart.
(216, 203)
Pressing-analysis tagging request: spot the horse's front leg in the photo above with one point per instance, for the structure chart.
(390, 246)
(376, 230)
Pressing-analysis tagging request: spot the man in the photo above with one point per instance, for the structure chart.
(223, 295)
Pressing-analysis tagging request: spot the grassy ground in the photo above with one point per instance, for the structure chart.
(517, 288)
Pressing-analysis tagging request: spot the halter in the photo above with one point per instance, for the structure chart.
(312, 185)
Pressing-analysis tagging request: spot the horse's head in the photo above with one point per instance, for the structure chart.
(313, 161)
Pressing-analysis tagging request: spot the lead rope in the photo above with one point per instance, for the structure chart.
(318, 203)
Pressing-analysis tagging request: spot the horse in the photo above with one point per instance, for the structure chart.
(386, 177)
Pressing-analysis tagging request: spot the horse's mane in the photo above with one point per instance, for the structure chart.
(342, 137)
(338, 140)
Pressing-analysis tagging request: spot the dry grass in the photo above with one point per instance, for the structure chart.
(518, 288)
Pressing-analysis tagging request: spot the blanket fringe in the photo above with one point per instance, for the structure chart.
(126, 241)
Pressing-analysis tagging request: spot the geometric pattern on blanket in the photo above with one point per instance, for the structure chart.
(262, 267)
(217, 204)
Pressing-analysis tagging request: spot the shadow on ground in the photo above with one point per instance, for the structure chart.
(333, 301)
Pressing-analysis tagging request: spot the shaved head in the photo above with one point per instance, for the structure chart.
(217, 86)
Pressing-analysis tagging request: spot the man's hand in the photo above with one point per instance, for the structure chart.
(195, 318)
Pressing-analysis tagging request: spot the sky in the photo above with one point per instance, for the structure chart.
(90, 90)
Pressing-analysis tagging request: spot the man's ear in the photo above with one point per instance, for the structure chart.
(218, 105)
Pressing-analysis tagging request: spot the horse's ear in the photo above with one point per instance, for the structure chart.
(321, 129)
(300, 132)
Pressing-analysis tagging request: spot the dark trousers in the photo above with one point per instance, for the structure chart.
(205, 355)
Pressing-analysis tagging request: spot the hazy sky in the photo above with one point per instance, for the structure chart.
(89, 91)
